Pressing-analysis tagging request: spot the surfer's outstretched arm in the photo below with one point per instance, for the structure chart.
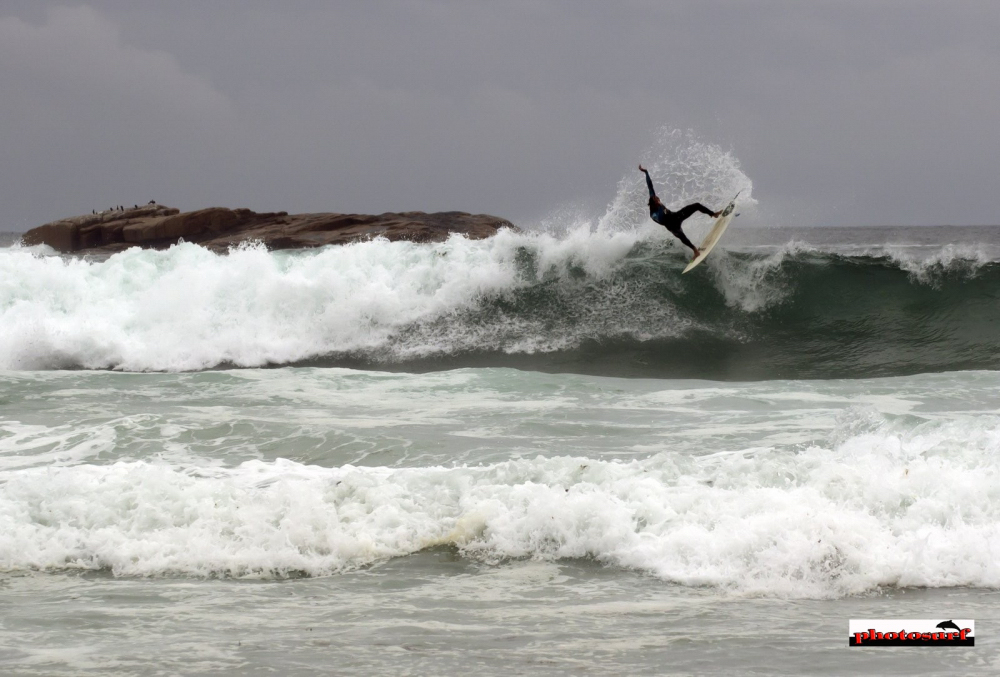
(649, 181)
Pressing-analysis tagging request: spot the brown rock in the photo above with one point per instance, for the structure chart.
(218, 228)
(190, 225)
(60, 235)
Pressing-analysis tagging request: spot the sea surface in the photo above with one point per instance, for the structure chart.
(543, 453)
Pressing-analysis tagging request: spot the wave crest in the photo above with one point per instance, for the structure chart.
(597, 301)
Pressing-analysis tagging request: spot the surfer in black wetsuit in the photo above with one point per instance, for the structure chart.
(672, 220)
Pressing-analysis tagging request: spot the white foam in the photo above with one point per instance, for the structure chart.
(186, 308)
(882, 505)
(925, 263)
(929, 264)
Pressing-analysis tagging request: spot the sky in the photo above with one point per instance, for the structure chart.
(867, 112)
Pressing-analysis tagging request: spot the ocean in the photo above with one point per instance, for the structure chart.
(542, 453)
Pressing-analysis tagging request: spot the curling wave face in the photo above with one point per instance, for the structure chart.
(588, 301)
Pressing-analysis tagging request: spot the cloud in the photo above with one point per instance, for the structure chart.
(847, 112)
(89, 119)
(78, 59)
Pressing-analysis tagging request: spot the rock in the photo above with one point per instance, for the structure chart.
(91, 230)
(217, 228)
(60, 235)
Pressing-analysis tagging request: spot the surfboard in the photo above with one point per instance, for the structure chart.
(708, 244)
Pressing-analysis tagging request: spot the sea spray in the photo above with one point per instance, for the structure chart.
(684, 169)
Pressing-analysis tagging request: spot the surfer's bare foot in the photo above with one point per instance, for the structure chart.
(717, 214)
(697, 253)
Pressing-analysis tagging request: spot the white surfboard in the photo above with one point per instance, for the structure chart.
(708, 244)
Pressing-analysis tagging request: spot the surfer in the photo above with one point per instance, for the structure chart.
(672, 220)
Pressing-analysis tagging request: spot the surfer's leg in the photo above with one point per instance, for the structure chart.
(685, 212)
(679, 234)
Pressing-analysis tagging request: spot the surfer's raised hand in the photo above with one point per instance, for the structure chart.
(641, 168)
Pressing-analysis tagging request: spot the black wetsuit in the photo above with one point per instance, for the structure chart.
(672, 220)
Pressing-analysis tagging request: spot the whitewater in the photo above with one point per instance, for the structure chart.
(791, 509)
(583, 300)
(541, 453)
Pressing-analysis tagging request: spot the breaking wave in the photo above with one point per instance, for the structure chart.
(880, 503)
(588, 300)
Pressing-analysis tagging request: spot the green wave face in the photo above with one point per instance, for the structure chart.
(749, 317)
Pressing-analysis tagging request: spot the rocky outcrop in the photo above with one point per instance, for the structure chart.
(218, 228)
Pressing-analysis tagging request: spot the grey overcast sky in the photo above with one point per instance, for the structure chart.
(841, 113)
